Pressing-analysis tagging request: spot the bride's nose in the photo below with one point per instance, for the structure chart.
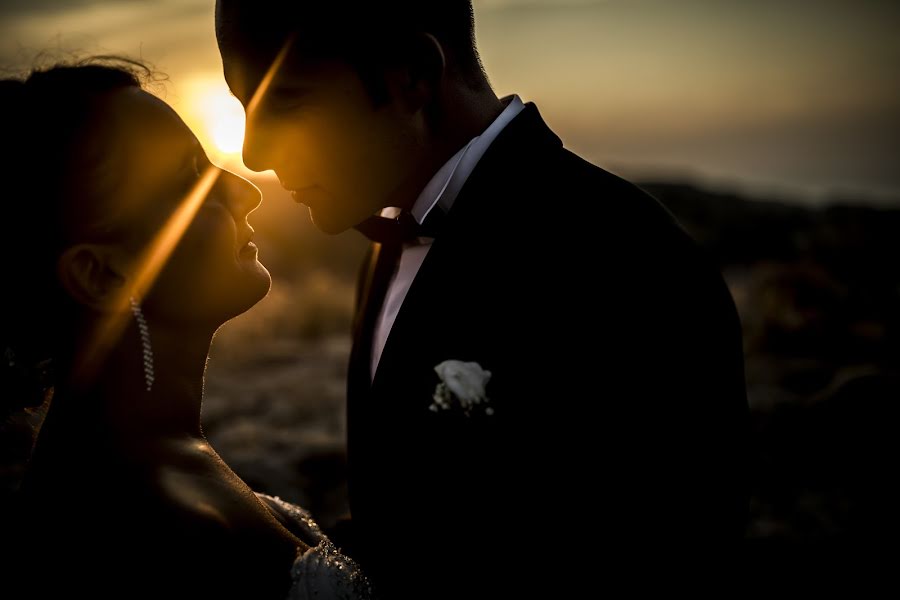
(242, 196)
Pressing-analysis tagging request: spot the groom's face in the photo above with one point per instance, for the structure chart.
(316, 125)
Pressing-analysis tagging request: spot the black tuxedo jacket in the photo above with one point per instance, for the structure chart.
(619, 407)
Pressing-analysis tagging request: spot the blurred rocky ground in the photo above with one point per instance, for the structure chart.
(818, 293)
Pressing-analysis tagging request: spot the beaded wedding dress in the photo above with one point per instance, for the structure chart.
(322, 572)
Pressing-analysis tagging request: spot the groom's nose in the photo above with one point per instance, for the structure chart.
(259, 148)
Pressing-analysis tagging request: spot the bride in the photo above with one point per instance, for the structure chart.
(126, 250)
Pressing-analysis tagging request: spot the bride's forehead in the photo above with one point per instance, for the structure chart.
(149, 143)
(137, 110)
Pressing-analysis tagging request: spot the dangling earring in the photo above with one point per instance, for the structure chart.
(145, 342)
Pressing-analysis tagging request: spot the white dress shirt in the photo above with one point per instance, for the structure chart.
(439, 194)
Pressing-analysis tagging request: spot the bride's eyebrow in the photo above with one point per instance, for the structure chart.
(185, 157)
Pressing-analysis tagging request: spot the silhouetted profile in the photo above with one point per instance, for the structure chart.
(546, 388)
(110, 304)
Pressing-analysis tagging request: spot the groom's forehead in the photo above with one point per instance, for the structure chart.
(246, 61)
(259, 28)
(244, 73)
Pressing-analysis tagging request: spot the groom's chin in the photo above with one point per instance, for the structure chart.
(329, 223)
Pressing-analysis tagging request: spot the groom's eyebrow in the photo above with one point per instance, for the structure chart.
(281, 95)
(290, 90)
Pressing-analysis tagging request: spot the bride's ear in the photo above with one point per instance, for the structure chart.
(93, 276)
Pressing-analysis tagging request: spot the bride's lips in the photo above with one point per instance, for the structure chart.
(247, 248)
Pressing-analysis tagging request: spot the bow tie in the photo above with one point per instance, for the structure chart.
(403, 229)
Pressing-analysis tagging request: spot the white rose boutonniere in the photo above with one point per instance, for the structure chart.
(462, 386)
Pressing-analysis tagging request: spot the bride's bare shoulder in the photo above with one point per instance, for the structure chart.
(195, 483)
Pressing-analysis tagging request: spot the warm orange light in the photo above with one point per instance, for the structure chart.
(216, 117)
(267, 79)
(223, 123)
(158, 251)
(225, 118)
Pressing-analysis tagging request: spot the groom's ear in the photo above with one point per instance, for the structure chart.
(422, 68)
(92, 275)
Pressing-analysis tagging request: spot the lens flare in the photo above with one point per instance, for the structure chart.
(153, 259)
(146, 269)
(266, 82)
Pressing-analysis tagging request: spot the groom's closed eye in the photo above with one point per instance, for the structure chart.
(285, 98)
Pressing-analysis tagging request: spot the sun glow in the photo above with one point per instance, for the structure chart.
(225, 121)
(216, 117)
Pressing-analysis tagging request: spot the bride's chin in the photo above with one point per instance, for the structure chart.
(262, 284)
(245, 303)
(256, 272)
(253, 287)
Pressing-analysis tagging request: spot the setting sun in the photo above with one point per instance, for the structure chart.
(226, 122)
(216, 117)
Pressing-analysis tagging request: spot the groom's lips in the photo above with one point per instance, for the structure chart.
(302, 193)
(298, 190)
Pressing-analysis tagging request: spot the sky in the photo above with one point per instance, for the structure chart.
(795, 98)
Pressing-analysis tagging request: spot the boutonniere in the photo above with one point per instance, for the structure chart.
(462, 387)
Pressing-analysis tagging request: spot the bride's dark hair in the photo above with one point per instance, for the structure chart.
(55, 159)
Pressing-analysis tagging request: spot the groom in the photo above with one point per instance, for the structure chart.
(546, 387)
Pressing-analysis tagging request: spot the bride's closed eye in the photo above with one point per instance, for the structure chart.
(198, 166)
(199, 163)
(191, 170)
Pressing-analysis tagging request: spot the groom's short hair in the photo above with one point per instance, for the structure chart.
(363, 32)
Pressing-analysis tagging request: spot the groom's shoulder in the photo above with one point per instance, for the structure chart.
(591, 201)
(610, 197)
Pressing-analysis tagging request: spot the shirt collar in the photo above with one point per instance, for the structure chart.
(443, 188)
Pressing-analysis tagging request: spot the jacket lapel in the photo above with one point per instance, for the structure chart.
(455, 265)
(372, 286)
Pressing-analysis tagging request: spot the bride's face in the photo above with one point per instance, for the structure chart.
(159, 166)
